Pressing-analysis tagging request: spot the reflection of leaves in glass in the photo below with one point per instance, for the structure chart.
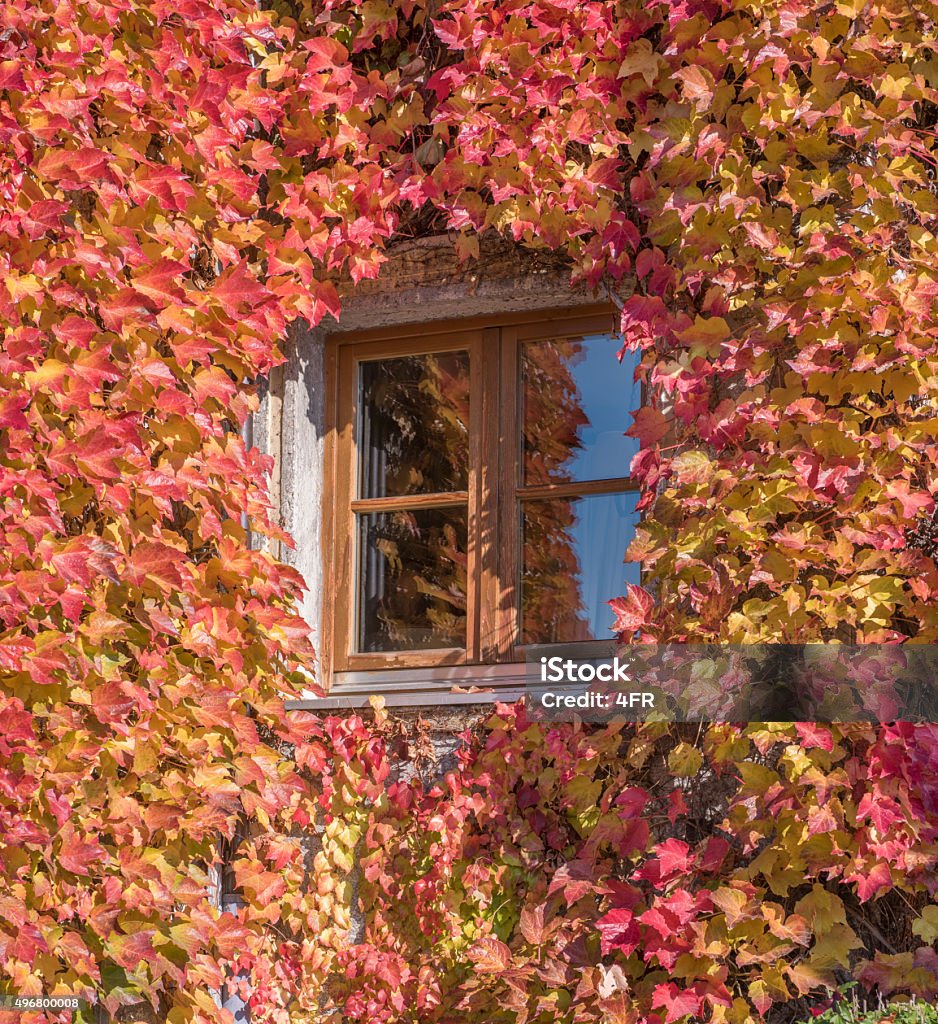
(553, 409)
(553, 415)
(552, 604)
(413, 580)
(415, 425)
(415, 440)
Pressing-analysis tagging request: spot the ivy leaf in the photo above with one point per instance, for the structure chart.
(926, 926)
(676, 1002)
(532, 925)
(823, 910)
(84, 559)
(490, 955)
(632, 610)
(152, 561)
(619, 930)
(649, 425)
(77, 853)
(685, 760)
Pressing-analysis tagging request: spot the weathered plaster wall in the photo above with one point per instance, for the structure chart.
(423, 281)
(302, 435)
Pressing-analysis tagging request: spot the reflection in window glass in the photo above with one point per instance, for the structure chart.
(414, 425)
(412, 580)
(577, 404)
(572, 565)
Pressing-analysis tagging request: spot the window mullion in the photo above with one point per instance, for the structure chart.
(507, 518)
(485, 534)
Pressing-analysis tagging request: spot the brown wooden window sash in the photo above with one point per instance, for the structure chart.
(494, 497)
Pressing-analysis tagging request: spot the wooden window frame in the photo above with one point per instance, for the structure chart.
(495, 491)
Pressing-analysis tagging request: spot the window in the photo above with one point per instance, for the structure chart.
(478, 497)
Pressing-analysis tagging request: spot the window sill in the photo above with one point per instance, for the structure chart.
(422, 687)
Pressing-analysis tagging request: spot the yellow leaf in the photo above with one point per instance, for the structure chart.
(807, 977)
(467, 246)
(821, 909)
(736, 905)
(706, 332)
(692, 467)
(926, 927)
(832, 949)
(757, 777)
(685, 760)
(25, 286)
(778, 566)
(50, 372)
(739, 1013)
(144, 757)
(896, 82)
(641, 60)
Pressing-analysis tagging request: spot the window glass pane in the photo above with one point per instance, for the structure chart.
(577, 401)
(414, 427)
(412, 580)
(572, 564)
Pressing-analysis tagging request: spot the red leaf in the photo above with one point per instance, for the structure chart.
(676, 1002)
(649, 426)
(111, 704)
(606, 172)
(618, 930)
(154, 562)
(814, 735)
(165, 184)
(132, 950)
(632, 610)
(236, 288)
(575, 879)
(11, 411)
(160, 280)
(714, 852)
(84, 559)
(532, 925)
(673, 860)
(490, 955)
(632, 800)
(76, 853)
(73, 167)
(11, 75)
(879, 879)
